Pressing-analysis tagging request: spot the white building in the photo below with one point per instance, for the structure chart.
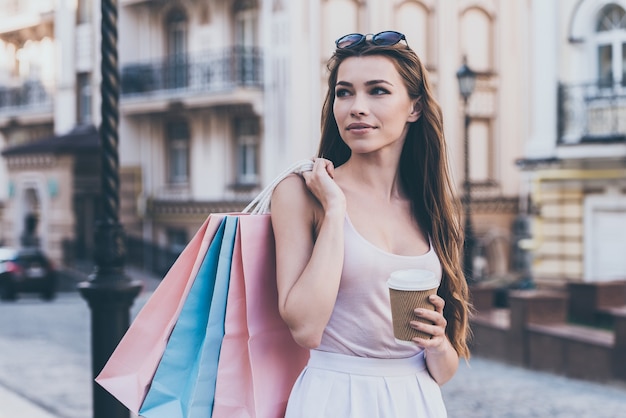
(219, 96)
(575, 155)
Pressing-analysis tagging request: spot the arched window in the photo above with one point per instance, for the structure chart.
(476, 38)
(612, 17)
(414, 20)
(611, 45)
(340, 17)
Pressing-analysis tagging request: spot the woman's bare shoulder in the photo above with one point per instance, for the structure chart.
(292, 194)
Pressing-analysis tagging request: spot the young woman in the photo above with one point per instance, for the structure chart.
(379, 199)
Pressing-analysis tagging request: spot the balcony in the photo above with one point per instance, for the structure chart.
(232, 76)
(592, 120)
(24, 20)
(592, 112)
(29, 101)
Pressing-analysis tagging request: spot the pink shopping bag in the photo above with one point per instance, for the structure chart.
(129, 371)
(259, 360)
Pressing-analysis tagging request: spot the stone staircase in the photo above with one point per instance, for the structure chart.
(579, 331)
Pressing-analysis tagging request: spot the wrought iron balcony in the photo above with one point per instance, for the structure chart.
(200, 73)
(28, 98)
(592, 113)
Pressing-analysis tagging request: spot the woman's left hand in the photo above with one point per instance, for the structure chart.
(439, 341)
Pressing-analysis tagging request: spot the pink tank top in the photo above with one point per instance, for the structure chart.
(360, 324)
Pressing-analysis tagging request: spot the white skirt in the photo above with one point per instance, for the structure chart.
(340, 386)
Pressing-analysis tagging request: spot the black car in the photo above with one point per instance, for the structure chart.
(26, 270)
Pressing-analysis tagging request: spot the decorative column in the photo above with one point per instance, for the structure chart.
(543, 82)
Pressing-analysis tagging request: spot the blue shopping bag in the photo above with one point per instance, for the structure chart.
(184, 383)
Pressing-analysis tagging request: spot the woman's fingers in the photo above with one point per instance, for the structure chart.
(436, 325)
(320, 182)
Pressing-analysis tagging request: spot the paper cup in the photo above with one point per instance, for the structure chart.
(409, 290)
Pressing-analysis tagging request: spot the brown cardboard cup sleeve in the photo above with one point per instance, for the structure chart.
(409, 290)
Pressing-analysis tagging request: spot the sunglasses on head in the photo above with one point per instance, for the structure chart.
(386, 38)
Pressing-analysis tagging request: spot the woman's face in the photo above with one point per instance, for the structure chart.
(372, 107)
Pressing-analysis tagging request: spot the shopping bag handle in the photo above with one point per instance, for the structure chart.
(261, 203)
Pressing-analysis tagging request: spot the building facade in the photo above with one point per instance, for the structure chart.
(575, 157)
(219, 96)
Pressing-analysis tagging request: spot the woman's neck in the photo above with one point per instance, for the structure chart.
(377, 177)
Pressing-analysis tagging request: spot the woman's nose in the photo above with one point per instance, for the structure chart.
(359, 106)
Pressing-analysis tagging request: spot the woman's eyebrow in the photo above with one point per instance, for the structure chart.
(372, 82)
(367, 83)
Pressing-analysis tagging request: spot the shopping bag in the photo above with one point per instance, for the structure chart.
(184, 382)
(259, 360)
(129, 371)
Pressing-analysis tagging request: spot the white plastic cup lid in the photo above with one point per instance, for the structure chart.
(412, 279)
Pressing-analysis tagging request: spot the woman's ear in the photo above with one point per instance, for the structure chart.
(417, 110)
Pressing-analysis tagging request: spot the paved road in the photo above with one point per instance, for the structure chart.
(45, 373)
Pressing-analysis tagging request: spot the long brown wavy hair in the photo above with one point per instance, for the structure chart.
(424, 176)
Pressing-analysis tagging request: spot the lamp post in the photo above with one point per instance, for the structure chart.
(108, 291)
(467, 82)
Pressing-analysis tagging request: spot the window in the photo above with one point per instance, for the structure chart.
(612, 17)
(176, 32)
(84, 98)
(611, 46)
(624, 63)
(605, 65)
(178, 152)
(480, 152)
(176, 240)
(245, 40)
(413, 20)
(247, 133)
(85, 11)
(245, 23)
(339, 17)
(477, 39)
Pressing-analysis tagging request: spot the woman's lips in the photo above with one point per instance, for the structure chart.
(359, 128)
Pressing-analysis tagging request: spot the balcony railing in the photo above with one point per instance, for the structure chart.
(12, 8)
(592, 112)
(202, 73)
(30, 97)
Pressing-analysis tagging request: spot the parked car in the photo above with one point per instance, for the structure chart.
(26, 270)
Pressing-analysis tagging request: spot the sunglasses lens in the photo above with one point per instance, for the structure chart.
(349, 40)
(387, 38)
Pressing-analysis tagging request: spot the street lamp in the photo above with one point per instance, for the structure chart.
(467, 82)
(108, 291)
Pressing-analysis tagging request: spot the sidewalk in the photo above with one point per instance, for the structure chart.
(13, 405)
(45, 371)
(44, 374)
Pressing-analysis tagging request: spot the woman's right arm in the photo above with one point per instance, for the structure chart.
(309, 250)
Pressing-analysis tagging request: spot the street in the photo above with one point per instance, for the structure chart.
(45, 362)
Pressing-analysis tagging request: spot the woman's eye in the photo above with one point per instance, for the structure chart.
(341, 92)
(379, 91)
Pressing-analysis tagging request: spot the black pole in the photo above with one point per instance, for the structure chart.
(468, 250)
(108, 291)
